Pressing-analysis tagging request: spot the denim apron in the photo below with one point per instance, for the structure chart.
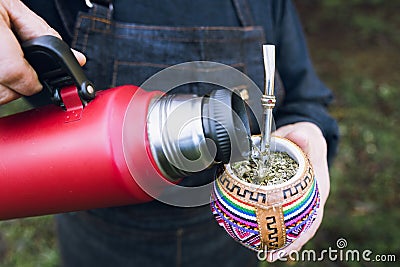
(155, 234)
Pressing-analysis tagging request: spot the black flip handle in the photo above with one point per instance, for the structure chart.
(57, 67)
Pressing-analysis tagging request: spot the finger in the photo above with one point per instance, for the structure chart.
(79, 56)
(7, 95)
(26, 23)
(298, 137)
(301, 139)
(307, 235)
(15, 72)
(298, 244)
(273, 256)
(283, 131)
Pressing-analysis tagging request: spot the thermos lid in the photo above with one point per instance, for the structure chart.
(225, 122)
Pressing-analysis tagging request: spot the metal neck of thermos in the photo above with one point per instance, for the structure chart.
(189, 133)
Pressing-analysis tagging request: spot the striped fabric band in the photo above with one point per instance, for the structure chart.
(234, 208)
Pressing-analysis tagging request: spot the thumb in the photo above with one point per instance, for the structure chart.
(310, 139)
(301, 139)
(294, 134)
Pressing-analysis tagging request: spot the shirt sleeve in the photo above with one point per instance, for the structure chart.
(306, 97)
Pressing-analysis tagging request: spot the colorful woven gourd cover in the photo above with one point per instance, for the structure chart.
(267, 217)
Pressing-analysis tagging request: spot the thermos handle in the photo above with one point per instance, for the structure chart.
(57, 67)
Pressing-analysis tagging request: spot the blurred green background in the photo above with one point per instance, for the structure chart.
(354, 45)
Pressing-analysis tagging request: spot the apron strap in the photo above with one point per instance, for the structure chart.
(243, 11)
(108, 3)
(102, 8)
(102, 11)
(101, 5)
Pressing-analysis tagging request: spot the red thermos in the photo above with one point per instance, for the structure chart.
(107, 150)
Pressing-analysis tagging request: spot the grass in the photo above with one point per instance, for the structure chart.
(28, 243)
(354, 46)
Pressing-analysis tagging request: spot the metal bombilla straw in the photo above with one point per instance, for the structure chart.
(268, 103)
